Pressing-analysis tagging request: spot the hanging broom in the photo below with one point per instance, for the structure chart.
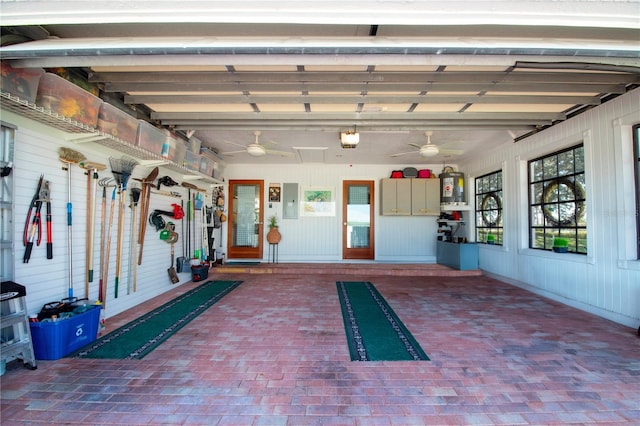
(69, 156)
(135, 197)
(121, 169)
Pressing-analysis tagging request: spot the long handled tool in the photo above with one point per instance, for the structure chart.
(33, 225)
(47, 199)
(102, 295)
(92, 190)
(135, 197)
(69, 157)
(173, 237)
(144, 209)
(107, 253)
(121, 169)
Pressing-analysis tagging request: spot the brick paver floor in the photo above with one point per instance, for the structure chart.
(273, 352)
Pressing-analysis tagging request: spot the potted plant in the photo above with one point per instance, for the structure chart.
(491, 239)
(273, 236)
(560, 245)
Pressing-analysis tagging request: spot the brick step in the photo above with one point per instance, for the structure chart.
(361, 269)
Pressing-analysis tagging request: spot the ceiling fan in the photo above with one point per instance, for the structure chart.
(429, 150)
(256, 150)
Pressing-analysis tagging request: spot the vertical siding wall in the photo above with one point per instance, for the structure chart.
(36, 152)
(319, 239)
(606, 282)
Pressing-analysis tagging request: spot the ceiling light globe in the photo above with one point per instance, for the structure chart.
(429, 151)
(256, 150)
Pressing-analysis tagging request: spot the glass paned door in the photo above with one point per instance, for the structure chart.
(357, 214)
(246, 219)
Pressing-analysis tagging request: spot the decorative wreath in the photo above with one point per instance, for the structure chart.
(578, 195)
(485, 207)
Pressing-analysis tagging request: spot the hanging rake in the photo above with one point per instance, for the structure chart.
(121, 169)
(104, 233)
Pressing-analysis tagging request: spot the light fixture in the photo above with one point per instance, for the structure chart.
(429, 150)
(349, 138)
(256, 150)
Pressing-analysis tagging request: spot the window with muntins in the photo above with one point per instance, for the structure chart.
(636, 155)
(557, 200)
(489, 227)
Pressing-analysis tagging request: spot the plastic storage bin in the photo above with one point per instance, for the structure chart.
(117, 123)
(191, 161)
(150, 138)
(20, 82)
(194, 145)
(174, 148)
(207, 166)
(68, 100)
(53, 340)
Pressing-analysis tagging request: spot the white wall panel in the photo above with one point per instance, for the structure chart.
(398, 239)
(607, 281)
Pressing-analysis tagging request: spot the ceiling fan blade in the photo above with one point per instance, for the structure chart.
(403, 153)
(415, 145)
(235, 143)
(280, 153)
(451, 151)
(232, 152)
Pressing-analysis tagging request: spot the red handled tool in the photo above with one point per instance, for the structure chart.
(45, 196)
(33, 225)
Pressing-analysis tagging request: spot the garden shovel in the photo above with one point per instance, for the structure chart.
(173, 275)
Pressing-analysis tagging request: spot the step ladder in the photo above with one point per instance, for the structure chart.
(15, 335)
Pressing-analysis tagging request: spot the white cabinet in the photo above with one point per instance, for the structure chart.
(410, 197)
(396, 197)
(425, 197)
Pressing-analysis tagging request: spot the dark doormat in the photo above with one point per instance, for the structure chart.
(374, 331)
(138, 338)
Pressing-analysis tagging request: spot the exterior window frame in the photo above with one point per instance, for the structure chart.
(489, 207)
(557, 200)
(635, 130)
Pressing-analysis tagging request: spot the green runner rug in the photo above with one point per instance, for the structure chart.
(374, 331)
(138, 338)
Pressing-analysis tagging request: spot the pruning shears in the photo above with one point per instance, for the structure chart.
(33, 225)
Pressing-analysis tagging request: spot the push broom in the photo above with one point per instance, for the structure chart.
(69, 157)
(135, 197)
